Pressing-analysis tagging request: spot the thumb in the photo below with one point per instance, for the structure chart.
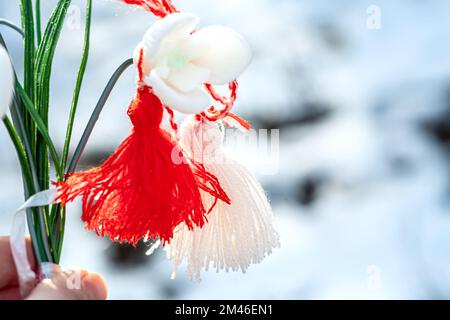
(71, 285)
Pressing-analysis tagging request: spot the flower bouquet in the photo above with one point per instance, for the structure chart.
(173, 185)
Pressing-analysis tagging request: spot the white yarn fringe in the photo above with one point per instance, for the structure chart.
(235, 235)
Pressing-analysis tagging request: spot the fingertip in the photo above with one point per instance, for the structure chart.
(71, 285)
(95, 286)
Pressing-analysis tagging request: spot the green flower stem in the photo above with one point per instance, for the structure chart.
(96, 113)
(12, 26)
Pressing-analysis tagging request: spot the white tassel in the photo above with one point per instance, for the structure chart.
(235, 235)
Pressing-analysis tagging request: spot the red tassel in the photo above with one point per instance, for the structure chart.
(139, 191)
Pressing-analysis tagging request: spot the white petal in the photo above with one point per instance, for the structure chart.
(163, 69)
(190, 103)
(172, 26)
(192, 49)
(6, 82)
(228, 54)
(188, 78)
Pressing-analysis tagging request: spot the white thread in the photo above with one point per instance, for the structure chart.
(48, 270)
(153, 247)
(27, 277)
(235, 235)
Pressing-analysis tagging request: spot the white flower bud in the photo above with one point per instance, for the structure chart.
(6, 82)
(178, 60)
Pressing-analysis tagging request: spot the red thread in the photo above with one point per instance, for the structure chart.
(209, 183)
(213, 114)
(243, 123)
(140, 66)
(159, 8)
(172, 121)
(139, 191)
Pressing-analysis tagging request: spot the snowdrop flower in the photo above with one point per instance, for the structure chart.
(178, 60)
(6, 82)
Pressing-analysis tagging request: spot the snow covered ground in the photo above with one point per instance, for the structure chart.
(361, 197)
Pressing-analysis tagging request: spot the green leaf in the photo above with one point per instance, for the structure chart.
(20, 150)
(32, 217)
(43, 68)
(79, 82)
(41, 127)
(26, 10)
(38, 21)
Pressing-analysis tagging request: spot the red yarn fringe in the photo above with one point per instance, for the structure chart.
(212, 114)
(139, 191)
(159, 8)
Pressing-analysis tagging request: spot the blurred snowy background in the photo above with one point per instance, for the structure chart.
(361, 198)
